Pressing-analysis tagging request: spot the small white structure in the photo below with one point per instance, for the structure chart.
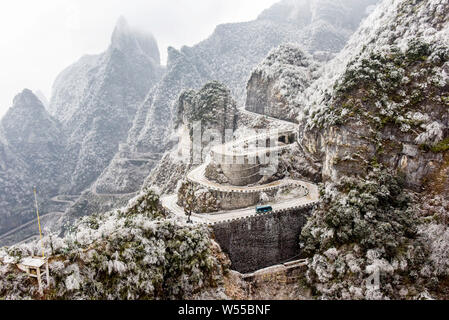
(36, 267)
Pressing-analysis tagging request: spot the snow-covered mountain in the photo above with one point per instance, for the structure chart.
(373, 123)
(117, 110)
(216, 111)
(228, 56)
(278, 81)
(64, 150)
(233, 50)
(97, 98)
(32, 147)
(151, 134)
(377, 122)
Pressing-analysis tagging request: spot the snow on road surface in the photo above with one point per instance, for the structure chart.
(170, 203)
(198, 176)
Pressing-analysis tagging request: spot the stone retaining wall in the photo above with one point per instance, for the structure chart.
(242, 173)
(243, 168)
(234, 200)
(263, 240)
(238, 199)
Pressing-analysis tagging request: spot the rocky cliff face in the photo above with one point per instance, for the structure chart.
(229, 55)
(389, 104)
(150, 136)
(276, 83)
(31, 144)
(325, 25)
(97, 98)
(213, 112)
(212, 107)
(377, 120)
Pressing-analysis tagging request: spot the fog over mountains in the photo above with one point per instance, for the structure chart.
(362, 90)
(111, 116)
(32, 145)
(229, 55)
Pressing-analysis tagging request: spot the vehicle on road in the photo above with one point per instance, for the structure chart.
(264, 209)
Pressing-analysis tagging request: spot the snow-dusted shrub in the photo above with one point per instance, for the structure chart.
(133, 253)
(432, 135)
(363, 228)
(434, 208)
(355, 208)
(277, 84)
(388, 84)
(438, 236)
(203, 200)
(264, 198)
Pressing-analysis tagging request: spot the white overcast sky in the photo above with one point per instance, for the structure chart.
(39, 38)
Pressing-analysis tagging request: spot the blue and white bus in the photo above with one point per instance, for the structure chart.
(264, 209)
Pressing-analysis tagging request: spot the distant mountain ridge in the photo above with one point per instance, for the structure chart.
(31, 151)
(64, 150)
(228, 56)
(116, 110)
(96, 100)
(373, 124)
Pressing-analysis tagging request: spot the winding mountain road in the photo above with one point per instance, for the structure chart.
(58, 199)
(137, 157)
(45, 218)
(170, 203)
(198, 176)
(282, 123)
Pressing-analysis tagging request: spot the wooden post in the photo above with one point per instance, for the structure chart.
(48, 274)
(39, 222)
(39, 281)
